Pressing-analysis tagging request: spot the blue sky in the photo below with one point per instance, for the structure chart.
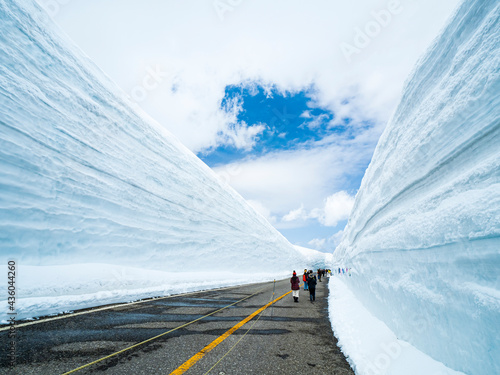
(265, 92)
(291, 120)
(288, 122)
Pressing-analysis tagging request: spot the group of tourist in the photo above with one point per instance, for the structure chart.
(310, 281)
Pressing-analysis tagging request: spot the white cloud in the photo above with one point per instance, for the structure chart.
(316, 121)
(327, 244)
(284, 180)
(242, 136)
(306, 114)
(337, 208)
(317, 243)
(296, 214)
(201, 54)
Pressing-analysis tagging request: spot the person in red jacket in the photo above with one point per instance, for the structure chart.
(304, 279)
(295, 281)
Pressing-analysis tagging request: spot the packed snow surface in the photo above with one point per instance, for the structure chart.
(86, 178)
(423, 237)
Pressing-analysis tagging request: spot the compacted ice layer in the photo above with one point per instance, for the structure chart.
(368, 344)
(423, 239)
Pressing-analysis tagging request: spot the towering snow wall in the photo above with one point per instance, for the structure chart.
(423, 236)
(86, 177)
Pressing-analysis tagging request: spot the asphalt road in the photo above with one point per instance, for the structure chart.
(285, 338)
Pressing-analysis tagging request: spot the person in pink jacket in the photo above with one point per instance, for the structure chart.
(295, 281)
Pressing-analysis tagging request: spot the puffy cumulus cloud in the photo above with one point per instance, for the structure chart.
(317, 243)
(297, 214)
(242, 136)
(306, 114)
(337, 208)
(308, 174)
(202, 49)
(316, 122)
(327, 244)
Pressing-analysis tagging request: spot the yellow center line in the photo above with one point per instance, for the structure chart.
(191, 361)
(160, 335)
(237, 342)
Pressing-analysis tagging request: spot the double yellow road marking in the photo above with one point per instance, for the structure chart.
(158, 336)
(185, 366)
(191, 361)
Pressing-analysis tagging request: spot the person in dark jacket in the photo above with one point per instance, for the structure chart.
(311, 280)
(295, 281)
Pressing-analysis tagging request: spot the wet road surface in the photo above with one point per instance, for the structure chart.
(286, 338)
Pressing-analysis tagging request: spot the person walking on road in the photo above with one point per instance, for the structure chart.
(319, 275)
(311, 280)
(304, 279)
(295, 281)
